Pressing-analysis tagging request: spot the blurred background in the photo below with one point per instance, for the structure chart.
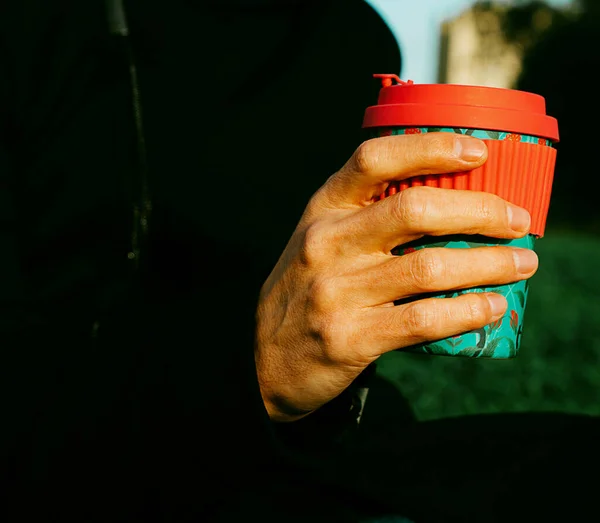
(551, 48)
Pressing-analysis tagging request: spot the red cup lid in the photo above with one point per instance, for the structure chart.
(406, 104)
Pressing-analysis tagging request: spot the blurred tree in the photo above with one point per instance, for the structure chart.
(590, 6)
(525, 22)
(559, 62)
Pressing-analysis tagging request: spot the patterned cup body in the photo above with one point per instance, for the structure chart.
(501, 339)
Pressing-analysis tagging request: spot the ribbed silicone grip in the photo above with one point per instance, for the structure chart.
(521, 173)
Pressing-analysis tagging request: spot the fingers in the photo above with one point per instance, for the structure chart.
(420, 211)
(380, 160)
(438, 269)
(391, 328)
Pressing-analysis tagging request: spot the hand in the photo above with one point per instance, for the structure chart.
(327, 310)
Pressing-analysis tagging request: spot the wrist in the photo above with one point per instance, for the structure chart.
(277, 410)
(325, 429)
(278, 415)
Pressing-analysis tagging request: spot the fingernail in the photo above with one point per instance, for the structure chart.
(498, 305)
(526, 260)
(518, 218)
(469, 149)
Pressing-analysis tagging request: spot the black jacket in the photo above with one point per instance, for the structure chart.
(127, 379)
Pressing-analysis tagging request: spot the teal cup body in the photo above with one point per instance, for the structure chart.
(520, 168)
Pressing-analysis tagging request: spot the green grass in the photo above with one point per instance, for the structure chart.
(558, 368)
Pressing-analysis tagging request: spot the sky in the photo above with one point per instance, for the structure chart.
(416, 23)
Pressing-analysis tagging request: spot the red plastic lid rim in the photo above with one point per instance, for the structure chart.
(472, 107)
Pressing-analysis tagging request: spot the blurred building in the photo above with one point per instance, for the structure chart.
(485, 44)
(475, 51)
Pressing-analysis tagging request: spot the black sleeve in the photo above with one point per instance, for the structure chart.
(66, 149)
(69, 424)
(161, 412)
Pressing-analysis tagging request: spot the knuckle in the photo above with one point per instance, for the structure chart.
(507, 263)
(421, 320)
(427, 270)
(367, 156)
(477, 310)
(313, 246)
(324, 295)
(440, 145)
(411, 207)
(331, 336)
(433, 152)
(489, 209)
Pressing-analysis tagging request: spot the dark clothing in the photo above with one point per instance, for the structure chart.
(128, 386)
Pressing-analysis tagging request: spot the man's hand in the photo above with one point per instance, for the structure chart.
(327, 310)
